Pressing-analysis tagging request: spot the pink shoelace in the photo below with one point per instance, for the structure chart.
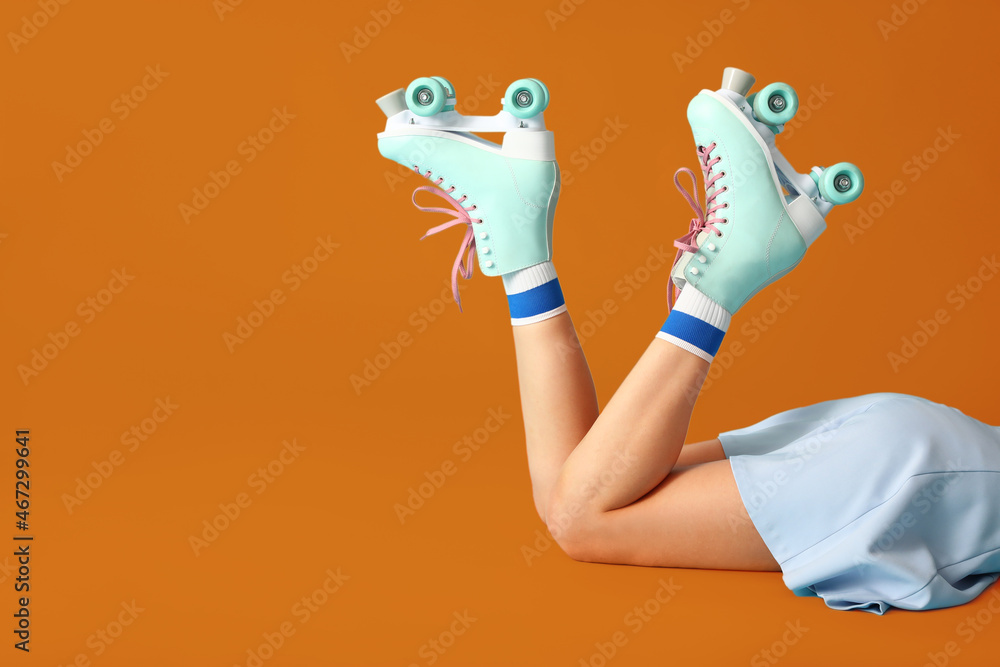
(704, 219)
(463, 262)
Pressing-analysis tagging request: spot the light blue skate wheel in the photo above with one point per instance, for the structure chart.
(775, 104)
(525, 98)
(841, 184)
(546, 89)
(449, 90)
(426, 96)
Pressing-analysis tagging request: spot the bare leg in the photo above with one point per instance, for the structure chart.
(700, 452)
(557, 399)
(694, 517)
(615, 499)
(560, 405)
(640, 434)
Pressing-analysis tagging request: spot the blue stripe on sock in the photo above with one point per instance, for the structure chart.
(537, 300)
(699, 333)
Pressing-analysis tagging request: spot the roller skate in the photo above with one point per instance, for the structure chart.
(505, 194)
(759, 214)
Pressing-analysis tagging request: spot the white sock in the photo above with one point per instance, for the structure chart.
(696, 324)
(533, 294)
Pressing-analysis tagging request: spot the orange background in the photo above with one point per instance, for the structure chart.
(332, 507)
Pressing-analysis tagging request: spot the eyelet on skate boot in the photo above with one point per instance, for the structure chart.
(704, 220)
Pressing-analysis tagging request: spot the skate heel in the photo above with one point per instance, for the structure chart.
(806, 218)
(737, 80)
(393, 103)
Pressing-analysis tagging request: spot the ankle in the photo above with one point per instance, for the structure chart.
(696, 324)
(533, 294)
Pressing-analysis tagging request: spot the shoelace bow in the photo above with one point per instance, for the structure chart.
(463, 262)
(704, 219)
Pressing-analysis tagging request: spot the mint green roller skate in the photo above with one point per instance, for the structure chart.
(505, 194)
(759, 215)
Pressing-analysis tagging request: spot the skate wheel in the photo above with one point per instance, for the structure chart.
(750, 98)
(775, 104)
(841, 184)
(546, 89)
(526, 98)
(426, 96)
(449, 90)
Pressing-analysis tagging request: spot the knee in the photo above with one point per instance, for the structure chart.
(572, 527)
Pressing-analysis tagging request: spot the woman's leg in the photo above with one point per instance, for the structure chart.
(559, 403)
(558, 399)
(616, 499)
(692, 518)
(700, 452)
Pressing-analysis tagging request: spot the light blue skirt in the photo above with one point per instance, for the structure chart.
(883, 500)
